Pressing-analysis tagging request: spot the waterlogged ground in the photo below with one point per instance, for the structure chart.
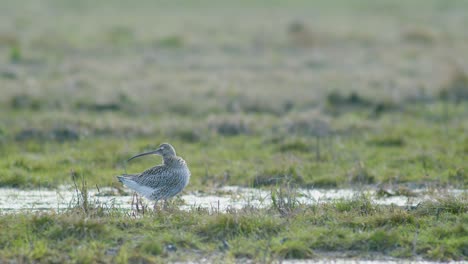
(234, 225)
(220, 200)
(361, 106)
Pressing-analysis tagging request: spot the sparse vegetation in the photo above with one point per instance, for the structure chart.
(288, 230)
(283, 94)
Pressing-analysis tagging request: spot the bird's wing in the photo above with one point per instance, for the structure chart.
(128, 176)
(154, 177)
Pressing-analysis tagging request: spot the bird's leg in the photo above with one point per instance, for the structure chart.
(138, 203)
(165, 204)
(155, 207)
(143, 208)
(134, 201)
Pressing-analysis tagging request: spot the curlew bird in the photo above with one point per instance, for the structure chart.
(160, 182)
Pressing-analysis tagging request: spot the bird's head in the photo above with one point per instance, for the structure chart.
(165, 150)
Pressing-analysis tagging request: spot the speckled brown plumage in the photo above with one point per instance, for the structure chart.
(163, 181)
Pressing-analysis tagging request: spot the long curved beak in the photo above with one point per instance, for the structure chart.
(144, 154)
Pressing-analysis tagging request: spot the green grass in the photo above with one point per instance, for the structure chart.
(433, 231)
(311, 94)
(412, 150)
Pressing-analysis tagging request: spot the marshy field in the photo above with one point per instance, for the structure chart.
(314, 130)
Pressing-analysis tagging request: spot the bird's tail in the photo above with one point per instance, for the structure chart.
(127, 181)
(125, 177)
(146, 191)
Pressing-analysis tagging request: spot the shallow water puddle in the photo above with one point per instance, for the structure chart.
(229, 197)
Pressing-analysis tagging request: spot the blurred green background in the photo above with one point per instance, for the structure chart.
(320, 93)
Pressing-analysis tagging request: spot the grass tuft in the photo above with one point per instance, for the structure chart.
(285, 199)
(15, 54)
(278, 177)
(382, 240)
(151, 247)
(229, 125)
(294, 249)
(361, 204)
(447, 204)
(228, 226)
(359, 174)
(387, 141)
(456, 88)
(171, 42)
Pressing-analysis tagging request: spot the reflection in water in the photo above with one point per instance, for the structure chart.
(230, 197)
